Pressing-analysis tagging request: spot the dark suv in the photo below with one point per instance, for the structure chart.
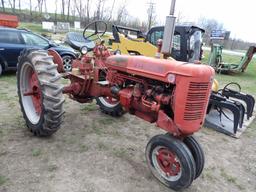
(13, 41)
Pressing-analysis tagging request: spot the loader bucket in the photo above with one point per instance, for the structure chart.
(224, 115)
(227, 108)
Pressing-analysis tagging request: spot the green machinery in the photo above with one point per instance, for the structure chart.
(215, 60)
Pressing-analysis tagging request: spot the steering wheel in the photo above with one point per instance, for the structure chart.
(94, 26)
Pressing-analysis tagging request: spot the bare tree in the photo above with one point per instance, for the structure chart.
(30, 8)
(79, 7)
(12, 5)
(111, 10)
(151, 14)
(99, 9)
(73, 9)
(209, 25)
(40, 6)
(63, 9)
(88, 4)
(3, 5)
(56, 9)
(19, 6)
(68, 10)
(180, 17)
(122, 13)
(45, 7)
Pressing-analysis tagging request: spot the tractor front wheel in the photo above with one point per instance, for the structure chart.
(170, 161)
(197, 153)
(40, 92)
(110, 106)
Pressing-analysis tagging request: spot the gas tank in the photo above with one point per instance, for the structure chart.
(157, 69)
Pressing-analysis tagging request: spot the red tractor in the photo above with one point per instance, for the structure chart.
(172, 94)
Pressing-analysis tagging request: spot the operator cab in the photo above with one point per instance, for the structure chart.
(187, 41)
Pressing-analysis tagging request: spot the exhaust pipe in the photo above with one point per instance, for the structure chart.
(169, 31)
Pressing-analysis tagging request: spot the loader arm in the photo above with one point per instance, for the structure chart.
(247, 59)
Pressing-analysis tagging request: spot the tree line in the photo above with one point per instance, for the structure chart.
(111, 11)
(230, 43)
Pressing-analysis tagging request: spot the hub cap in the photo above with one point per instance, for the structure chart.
(67, 63)
(166, 163)
(31, 95)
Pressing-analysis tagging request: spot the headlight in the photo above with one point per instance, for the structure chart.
(171, 78)
(84, 50)
(117, 52)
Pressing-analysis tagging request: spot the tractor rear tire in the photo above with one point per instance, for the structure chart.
(170, 161)
(113, 108)
(197, 153)
(40, 92)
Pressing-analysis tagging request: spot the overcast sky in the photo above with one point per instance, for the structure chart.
(237, 16)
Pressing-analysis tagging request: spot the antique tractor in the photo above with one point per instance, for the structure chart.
(172, 94)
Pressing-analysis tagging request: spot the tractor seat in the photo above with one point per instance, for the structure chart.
(76, 41)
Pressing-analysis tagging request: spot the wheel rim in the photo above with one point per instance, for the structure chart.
(67, 63)
(31, 95)
(166, 163)
(109, 101)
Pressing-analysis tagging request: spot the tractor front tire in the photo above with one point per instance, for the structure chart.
(170, 161)
(110, 106)
(40, 92)
(197, 153)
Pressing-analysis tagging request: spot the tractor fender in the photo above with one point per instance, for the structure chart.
(57, 60)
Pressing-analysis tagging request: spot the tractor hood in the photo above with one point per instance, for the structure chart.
(158, 69)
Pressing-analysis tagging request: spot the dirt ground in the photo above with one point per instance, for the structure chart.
(93, 152)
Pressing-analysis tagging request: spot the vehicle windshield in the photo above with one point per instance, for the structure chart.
(34, 40)
(195, 45)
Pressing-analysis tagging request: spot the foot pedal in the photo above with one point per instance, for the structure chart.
(103, 83)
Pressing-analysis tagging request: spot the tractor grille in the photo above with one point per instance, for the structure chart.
(196, 99)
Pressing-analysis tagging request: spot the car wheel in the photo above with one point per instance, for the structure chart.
(67, 62)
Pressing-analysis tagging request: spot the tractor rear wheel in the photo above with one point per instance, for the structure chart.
(40, 92)
(170, 161)
(197, 153)
(110, 106)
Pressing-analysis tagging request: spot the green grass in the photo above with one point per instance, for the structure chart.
(120, 152)
(52, 168)
(83, 148)
(208, 173)
(102, 146)
(230, 179)
(35, 27)
(36, 152)
(3, 180)
(8, 77)
(36, 15)
(247, 79)
(87, 108)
